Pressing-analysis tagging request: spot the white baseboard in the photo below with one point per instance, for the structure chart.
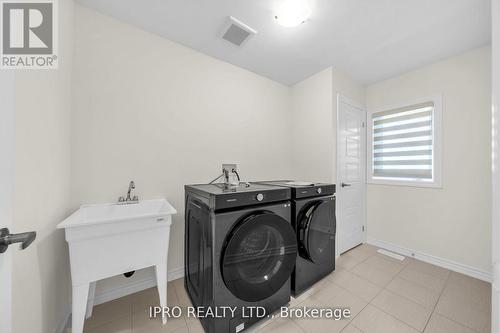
(131, 288)
(495, 309)
(441, 262)
(174, 274)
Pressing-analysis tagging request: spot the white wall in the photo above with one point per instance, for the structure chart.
(312, 127)
(7, 136)
(343, 84)
(452, 223)
(314, 123)
(41, 280)
(495, 168)
(164, 115)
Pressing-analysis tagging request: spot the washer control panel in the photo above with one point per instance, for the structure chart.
(317, 190)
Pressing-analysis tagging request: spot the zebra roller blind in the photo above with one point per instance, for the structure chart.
(403, 143)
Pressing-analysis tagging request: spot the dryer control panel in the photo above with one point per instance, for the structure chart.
(302, 190)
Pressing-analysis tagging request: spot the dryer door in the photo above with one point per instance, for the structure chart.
(316, 228)
(258, 256)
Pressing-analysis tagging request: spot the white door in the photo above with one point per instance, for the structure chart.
(6, 192)
(351, 185)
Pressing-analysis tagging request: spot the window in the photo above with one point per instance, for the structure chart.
(404, 144)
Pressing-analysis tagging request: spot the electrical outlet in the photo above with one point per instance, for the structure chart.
(229, 168)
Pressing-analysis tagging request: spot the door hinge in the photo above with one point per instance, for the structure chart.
(363, 228)
(363, 124)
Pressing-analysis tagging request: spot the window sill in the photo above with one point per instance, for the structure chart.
(406, 183)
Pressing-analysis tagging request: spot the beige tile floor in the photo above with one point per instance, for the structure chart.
(385, 296)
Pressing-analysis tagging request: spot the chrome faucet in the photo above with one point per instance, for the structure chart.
(129, 199)
(131, 187)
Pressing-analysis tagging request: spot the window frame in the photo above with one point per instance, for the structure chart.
(437, 134)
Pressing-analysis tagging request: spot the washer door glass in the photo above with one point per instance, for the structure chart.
(258, 256)
(317, 231)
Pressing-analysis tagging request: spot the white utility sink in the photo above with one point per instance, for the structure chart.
(111, 239)
(111, 213)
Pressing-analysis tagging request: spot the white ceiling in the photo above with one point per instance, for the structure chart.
(368, 39)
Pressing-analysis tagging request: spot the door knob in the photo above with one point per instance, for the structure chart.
(345, 185)
(6, 238)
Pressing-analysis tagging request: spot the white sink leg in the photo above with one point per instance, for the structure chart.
(90, 302)
(161, 282)
(80, 296)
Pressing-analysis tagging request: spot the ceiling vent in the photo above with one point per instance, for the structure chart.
(236, 32)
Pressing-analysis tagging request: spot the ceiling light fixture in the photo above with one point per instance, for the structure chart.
(291, 13)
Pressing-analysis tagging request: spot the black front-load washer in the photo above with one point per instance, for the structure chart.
(313, 218)
(240, 251)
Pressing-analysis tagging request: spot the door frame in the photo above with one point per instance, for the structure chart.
(7, 150)
(495, 248)
(343, 99)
